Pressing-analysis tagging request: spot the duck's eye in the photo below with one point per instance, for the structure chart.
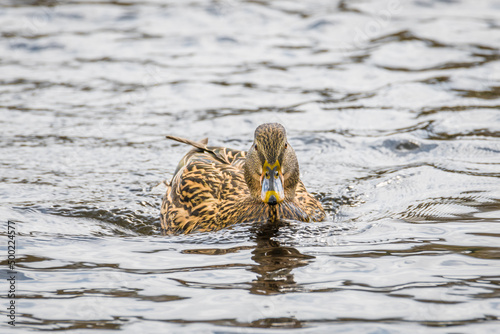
(256, 148)
(286, 145)
(267, 175)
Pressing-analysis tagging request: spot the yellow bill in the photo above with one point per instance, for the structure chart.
(272, 184)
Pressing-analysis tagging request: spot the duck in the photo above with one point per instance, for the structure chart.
(216, 187)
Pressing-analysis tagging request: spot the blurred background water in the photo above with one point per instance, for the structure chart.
(392, 107)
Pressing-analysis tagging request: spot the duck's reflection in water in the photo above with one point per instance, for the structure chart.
(275, 263)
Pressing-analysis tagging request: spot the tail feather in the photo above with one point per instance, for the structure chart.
(202, 144)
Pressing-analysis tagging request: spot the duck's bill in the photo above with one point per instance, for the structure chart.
(272, 187)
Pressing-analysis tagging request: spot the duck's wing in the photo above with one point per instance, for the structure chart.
(309, 204)
(191, 197)
(205, 188)
(203, 196)
(233, 157)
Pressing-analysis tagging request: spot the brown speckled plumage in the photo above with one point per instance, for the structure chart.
(214, 187)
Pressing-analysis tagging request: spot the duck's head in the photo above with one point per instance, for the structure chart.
(271, 167)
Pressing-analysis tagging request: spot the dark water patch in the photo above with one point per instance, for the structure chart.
(35, 3)
(35, 47)
(29, 322)
(133, 220)
(492, 94)
(5, 274)
(407, 146)
(216, 251)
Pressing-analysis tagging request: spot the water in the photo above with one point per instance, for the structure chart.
(393, 110)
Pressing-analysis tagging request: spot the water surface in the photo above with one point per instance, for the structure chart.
(391, 106)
